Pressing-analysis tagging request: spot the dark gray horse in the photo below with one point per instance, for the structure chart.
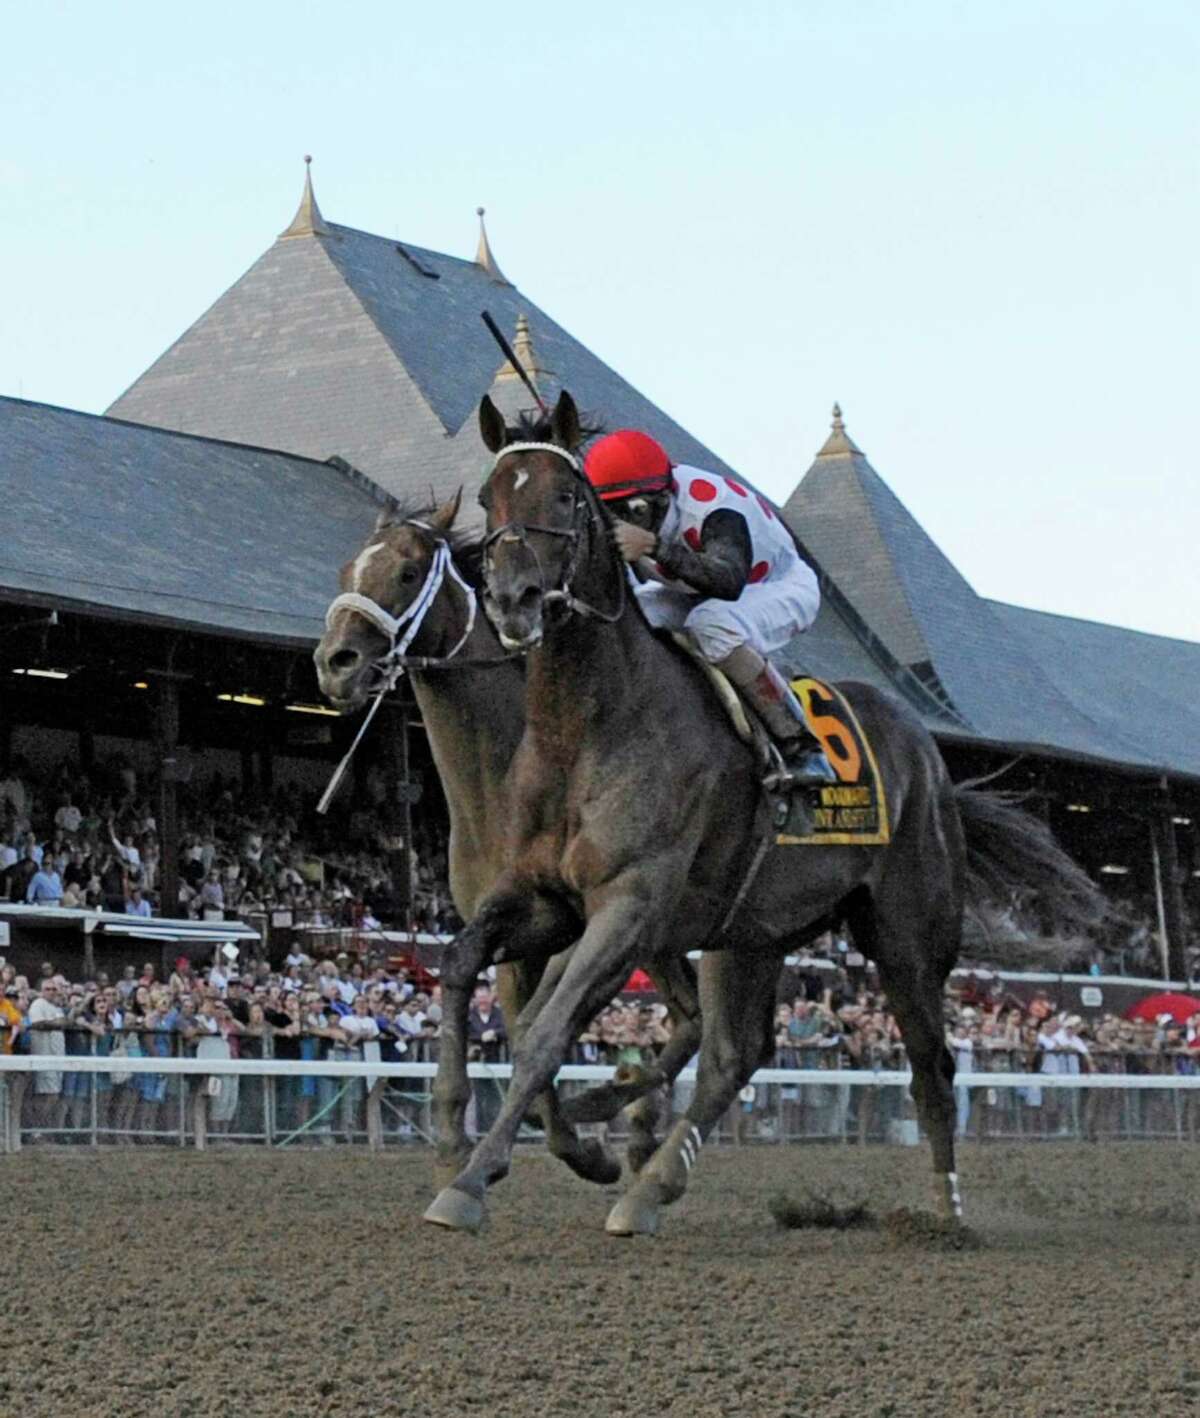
(635, 812)
(472, 701)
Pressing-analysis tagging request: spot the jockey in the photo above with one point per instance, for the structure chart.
(719, 564)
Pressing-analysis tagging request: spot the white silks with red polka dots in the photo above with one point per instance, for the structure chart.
(781, 597)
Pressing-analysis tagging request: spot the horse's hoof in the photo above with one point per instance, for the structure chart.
(457, 1211)
(594, 1163)
(636, 1214)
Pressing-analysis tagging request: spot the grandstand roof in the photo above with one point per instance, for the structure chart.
(119, 518)
(1012, 676)
(125, 519)
(1141, 688)
(339, 342)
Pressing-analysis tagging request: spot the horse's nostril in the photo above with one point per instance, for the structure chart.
(344, 660)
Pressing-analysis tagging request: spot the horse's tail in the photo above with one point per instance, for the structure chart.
(1010, 851)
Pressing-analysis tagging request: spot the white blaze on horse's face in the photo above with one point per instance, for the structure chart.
(530, 496)
(389, 571)
(361, 562)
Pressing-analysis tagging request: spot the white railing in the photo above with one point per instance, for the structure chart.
(193, 1101)
(569, 1073)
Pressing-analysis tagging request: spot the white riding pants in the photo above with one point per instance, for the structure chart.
(765, 616)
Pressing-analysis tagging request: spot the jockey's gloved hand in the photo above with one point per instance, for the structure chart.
(635, 542)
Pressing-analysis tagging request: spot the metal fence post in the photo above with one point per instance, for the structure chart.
(375, 1116)
(268, 1093)
(94, 1095)
(185, 1083)
(200, 1113)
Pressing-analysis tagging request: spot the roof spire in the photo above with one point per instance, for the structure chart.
(308, 220)
(522, 347)
(483, 254)
(839, 441)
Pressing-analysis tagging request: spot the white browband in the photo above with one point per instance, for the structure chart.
(538, 448)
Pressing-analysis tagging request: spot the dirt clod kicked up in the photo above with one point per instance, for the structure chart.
(819, 1212)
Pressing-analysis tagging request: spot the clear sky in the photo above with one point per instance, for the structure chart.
(976, 226)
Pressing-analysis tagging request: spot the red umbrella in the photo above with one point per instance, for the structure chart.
(1179, 1007)
(641, 983)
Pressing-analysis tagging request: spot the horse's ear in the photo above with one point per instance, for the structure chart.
(564, 423)
(443, 519)
(383, 520)
(491, 425)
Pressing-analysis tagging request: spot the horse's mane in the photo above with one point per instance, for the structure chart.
(533, 426)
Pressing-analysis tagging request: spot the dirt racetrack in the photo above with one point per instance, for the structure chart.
(298, 1283)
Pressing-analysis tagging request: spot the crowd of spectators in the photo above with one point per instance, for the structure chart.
(338, 1007)
(90, 840)
(839, 1018)
(306, 1010)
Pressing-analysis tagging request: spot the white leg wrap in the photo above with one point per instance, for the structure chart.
(955, 1194)
(690, 1150)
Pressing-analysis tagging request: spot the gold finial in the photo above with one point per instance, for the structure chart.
(523, 344)
(308, 220)
(522, 347)
(839, 441)
(483, 253)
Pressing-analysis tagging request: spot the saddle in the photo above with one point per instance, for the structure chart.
(746, 725)
(852, 812)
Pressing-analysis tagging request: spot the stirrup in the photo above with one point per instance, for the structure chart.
(811, 769)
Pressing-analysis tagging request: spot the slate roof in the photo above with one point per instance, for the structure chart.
(1141, 689)
(1011, 677)
(340, 342)
(161, 526)
(351, 344)
(217, 536)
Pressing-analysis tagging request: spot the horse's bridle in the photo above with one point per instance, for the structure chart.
(563, 594)
(401, 630)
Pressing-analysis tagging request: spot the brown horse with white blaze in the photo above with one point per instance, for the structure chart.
(472, 702)
(636, 805)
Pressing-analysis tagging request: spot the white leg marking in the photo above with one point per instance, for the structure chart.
(361, 560)
(955, 1194)
(690, 1148)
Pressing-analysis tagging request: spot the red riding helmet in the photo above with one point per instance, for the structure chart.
(627, 462)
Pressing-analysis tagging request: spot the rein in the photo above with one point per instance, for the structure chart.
(562, 594)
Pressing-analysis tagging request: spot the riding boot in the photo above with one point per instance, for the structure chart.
(772, 699)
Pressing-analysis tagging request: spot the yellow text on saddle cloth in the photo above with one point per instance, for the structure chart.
(853, 811)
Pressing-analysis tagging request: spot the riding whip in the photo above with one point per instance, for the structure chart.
(498, 336)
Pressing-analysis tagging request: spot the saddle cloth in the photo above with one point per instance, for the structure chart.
(852, 811)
